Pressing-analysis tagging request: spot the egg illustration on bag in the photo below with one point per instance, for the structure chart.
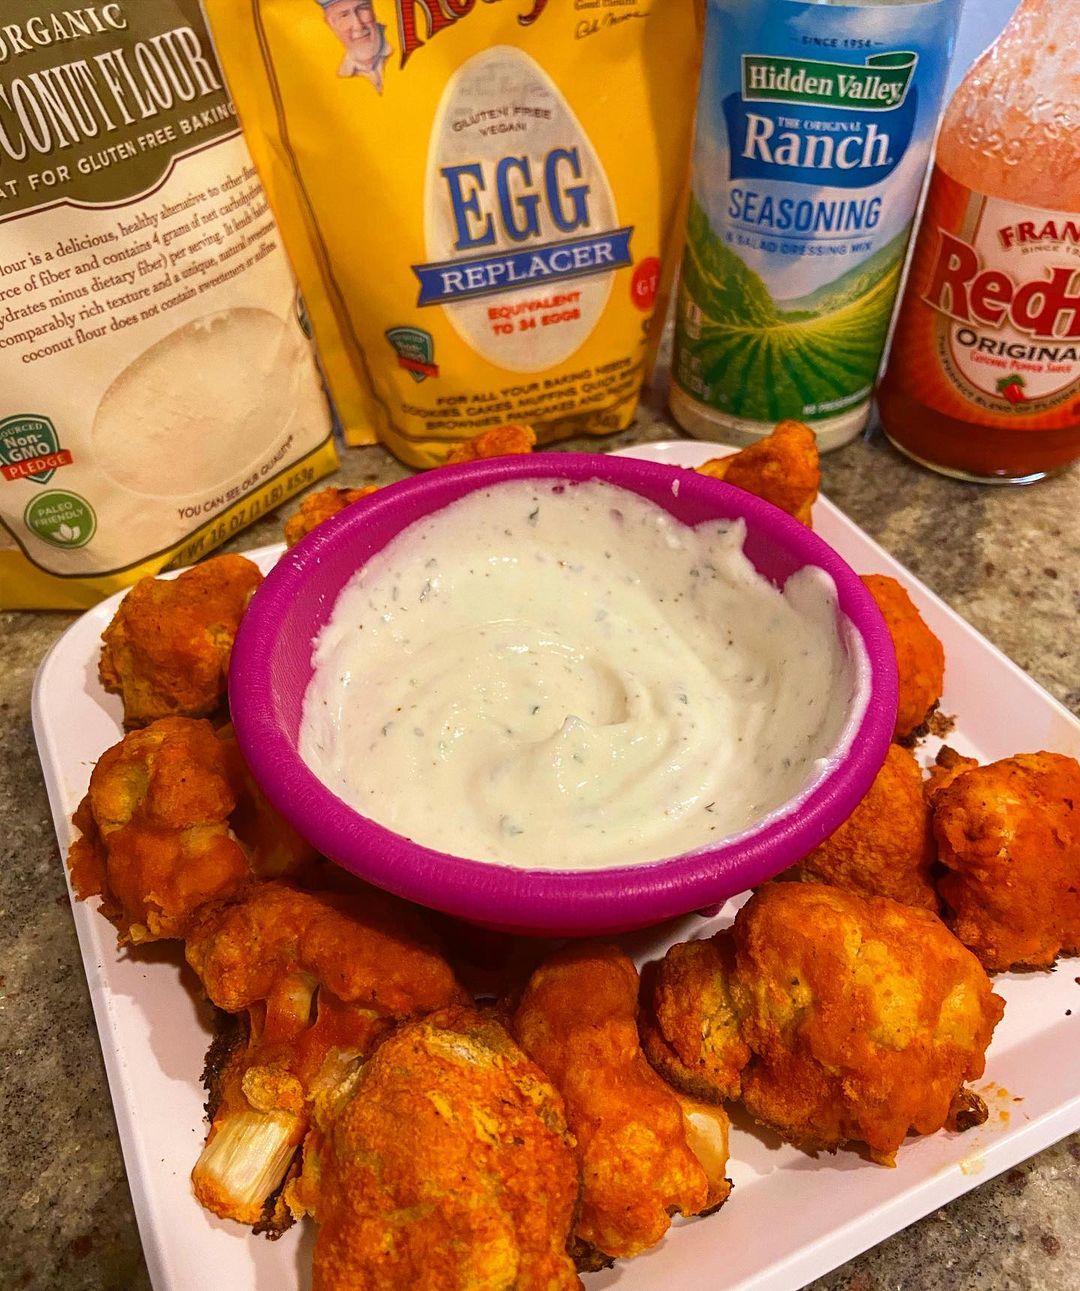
(520, 225)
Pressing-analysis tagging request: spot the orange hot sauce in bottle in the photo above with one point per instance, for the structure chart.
(983, 381)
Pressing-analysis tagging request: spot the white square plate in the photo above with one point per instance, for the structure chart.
(791, 1218)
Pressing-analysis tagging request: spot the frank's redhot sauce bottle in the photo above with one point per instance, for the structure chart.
(984, 377)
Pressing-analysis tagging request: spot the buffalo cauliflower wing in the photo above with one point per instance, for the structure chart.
(166, 651)
(317, 507)
(885, 848)
(172, 822)
(1009, 838)
(920, 656)
(156, 843)
(644, 1152)
(689, 1028)
(784, 468)
(320, 976)
(503, 441)
(861, 1019)
(865, 1018)
(447, 1167)
(948, 766)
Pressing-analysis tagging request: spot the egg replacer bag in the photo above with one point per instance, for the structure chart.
(157, 386)
(479, 197)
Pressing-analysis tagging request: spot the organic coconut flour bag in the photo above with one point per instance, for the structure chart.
(479, 198)
(157, 386)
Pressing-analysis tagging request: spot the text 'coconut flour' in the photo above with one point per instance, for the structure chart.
(159, 390)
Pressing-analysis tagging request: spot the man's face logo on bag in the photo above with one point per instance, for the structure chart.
(355, 24)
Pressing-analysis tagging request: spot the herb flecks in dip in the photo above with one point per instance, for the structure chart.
(565, 677)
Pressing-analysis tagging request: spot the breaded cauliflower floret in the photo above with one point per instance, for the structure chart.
(167, 650)
(835, 1017)
(321, 976)
(1009, 837)
(156, 843)
(317, 507)
(644, 1152)
(920, 656)
(885, 848)
(171, 822)
(364, 947)
(948, 766)
(689, 1029)
(448, 1168)
(784, 468)
(865, 1017)
(503, 441)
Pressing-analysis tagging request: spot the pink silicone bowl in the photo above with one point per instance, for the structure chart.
(271, 668)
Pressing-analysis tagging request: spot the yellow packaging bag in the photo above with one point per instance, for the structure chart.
(479, 199)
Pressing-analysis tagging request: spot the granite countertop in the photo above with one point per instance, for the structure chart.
(1007, 560)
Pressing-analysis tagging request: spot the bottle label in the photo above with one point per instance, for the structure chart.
(990, 328)
(814, 127)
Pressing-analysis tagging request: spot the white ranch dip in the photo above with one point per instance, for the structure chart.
(565, 677)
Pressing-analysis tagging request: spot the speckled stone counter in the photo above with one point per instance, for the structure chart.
(1008, 561)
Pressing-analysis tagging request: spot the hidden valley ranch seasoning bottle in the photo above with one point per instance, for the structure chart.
(815, 124)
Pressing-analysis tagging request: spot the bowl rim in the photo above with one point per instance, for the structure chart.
(551, 902)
